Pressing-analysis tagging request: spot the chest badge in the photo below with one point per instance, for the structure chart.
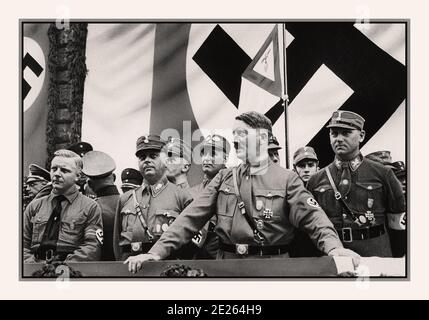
(260, 224)
(259, 205)
(268, 213)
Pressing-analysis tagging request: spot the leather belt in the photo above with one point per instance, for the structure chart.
(137, 247)
(350, 235)
(246, 249)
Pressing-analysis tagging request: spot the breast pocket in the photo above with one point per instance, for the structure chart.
(128, 218)
(72, 229)
(39, 226)
(163, 219)
(226, 206)
(325, 196)
(269, 203)
(369, 197)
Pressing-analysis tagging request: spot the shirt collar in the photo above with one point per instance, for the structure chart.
(353, 164)
(70, 195)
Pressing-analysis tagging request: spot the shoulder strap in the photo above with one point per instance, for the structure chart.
(140, 216)
(338, 196)
(259, 237)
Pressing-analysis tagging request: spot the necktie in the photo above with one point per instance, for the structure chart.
(50, 237)
(345, 179)
(241, 231)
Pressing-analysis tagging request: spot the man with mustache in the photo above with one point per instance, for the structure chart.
(360, 196)
(145, 213)
(258, 206)
(65, 225)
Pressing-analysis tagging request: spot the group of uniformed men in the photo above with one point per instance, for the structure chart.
(252, 210)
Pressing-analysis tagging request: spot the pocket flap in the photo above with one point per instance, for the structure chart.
(323, 188)
(167, 213)
(369, 185)
(269, 193)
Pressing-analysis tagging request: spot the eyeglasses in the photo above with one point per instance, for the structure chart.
(240, 132)
(213, 138)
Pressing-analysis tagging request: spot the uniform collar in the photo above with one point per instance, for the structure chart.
(261, 169)
(183, 185)
(107, 191)
(353, 164)
(157, 187)
(70, 195)
(206, 181)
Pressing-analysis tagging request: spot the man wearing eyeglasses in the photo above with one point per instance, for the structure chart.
(258, 206)
(145, 213)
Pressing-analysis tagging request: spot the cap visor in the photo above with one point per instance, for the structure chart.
(340, 125)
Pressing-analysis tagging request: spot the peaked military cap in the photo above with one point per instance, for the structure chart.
(383, 157)
(131, 178)
(304, 153)
(37, 173)
(399, 168)
(149, 142)
(81, 148)
(346, 119)
(179, 148)
(273, 144)
(97, 164)
(215, 141)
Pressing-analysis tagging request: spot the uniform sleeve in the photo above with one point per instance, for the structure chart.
(117, 229)
(186, 198)
(395, 197)
(190, 221)
(306, 214)
(90, 249)
(27, 234)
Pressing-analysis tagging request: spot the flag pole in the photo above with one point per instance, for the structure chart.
(285, 98)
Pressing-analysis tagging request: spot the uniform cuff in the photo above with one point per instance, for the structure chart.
(331, 245)
(159, 251)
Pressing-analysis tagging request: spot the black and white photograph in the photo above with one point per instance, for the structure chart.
(272, 149)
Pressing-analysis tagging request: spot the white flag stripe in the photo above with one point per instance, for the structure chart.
(390, 137)
(388, 36)
(118, 88)
(265, 65)
(323, 94)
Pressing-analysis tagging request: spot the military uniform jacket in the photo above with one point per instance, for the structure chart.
(278, 191)
(160, 204)
(373, 188)
(107, 199)
(80, 231)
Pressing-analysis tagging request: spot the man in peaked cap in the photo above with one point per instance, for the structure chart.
(178, 162)
(305, 163)
(143, 214)
(98, 167)
(360, 196)
(214, 151)
(81, 148)
(131, 179)
(38, 183)
(258, 206)
(273, 149)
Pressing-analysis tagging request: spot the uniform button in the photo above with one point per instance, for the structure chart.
(369, 187)
(269, 195)
(344, 215)
(322, 190)
(345, 181)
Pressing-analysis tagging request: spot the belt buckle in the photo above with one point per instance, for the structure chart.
(347, 231)
(337, 195)
(241, 249)
(136, 246)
